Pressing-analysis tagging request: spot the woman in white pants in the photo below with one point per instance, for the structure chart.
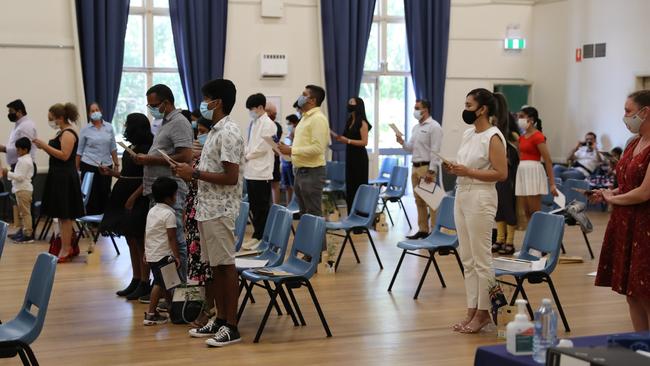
(481, 163)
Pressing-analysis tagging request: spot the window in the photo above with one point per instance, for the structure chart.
(149, 59)
(386, 87)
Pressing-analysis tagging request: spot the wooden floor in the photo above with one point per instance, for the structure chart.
(88, 325)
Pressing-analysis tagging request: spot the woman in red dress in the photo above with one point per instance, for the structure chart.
(625, 256)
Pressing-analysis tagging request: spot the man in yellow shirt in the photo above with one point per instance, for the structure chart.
(310, 142)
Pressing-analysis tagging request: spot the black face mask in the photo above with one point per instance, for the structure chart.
(351, 108)
(12, 117)
(469, 117)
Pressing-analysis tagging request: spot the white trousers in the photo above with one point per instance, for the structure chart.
(474, 211)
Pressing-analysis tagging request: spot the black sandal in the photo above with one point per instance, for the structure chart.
(507, 249)
(496, 247)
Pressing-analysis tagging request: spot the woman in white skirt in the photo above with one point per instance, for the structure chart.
(533, 178)
(481, 163)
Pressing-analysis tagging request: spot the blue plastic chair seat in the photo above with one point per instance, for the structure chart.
(433, 241)
(92, 219)
(379, 180)
(347, 223)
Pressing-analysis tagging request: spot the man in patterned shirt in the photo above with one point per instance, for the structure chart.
(219, 177)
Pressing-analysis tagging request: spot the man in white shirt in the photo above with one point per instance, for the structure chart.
(584, 160)
(423, 144)
(259, 165)
(23, 127)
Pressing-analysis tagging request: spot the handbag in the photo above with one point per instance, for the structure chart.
(187, 304)
(55, 245)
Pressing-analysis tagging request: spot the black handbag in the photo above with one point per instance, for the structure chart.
(187, 304)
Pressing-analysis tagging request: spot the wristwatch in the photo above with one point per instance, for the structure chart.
(196, 174)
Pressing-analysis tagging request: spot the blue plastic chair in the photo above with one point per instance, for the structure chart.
(240, 224)
(362, 217)
(294, 208)
(17, 334)
(335, 178)
(301, 266)
(436, 242)
(268, 227)
(385, 171)
(572, 195)
(395, 190)
(4, 227)
(544, 234)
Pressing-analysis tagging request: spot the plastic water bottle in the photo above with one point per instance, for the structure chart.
(545, 331)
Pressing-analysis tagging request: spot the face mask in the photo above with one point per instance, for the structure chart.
(202, 138)
(417, 114)
(469, 117)
(53, 125)
(12, 117)
(302, 100)
(522, 123)
(352, 108)
(253, 115)
(155, 112)
(194, 125)
(205, 112)
(633, 123)
(96, 116)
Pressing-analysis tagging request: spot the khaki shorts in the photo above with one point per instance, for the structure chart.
(217, 241)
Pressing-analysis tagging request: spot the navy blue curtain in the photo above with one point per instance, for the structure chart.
(199, 28)
(427, 32)
(102, 26)
(346, 28)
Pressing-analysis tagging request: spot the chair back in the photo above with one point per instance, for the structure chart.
(4, 227)
(268, 227)
(86, 187)
(38, 295)
(386, 169)
(571, 194)
(545, 232)
(240, 225)
(398, 181)
(335, 175)
(446, 214)
(293, 205)
(364, 205)
(277, 244)
(548, 201)
(307, 246)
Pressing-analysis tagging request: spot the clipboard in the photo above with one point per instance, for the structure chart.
(395, 129)
(171, 161)
(127, 149)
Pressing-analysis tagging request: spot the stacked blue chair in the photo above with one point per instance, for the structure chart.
(86, 223)
(240, 224)
(299, 268)
(544, 234)
(361, 217)
(4, 227)
(437, 242)
(294, 208)
(395, 190)
(385, 171)
(17, 334)
(335, 179)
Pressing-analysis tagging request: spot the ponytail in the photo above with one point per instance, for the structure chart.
(502, 113)
(68, 111)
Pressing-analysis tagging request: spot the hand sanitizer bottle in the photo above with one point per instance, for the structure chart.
(520, 332)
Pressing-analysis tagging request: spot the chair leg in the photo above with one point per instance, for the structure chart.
(30, 355)
(399, 264)
(515, 294)
(435, 265)
(460, 263)
(562, 248)
(520, 282)
(23, 356)
(591, 253)
(245, 300)
(338, 259)
(273, 294)
(295, 306)
(283, 297)
(388, 212)
(268, 289)
(117, 250)
(354, 249)
(558, 304)
(374, 249)
(424, 275)
(405, 213)
(293, 230)
(318, 308)
(46, 228)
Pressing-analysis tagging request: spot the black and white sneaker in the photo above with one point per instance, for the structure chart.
(154, 319)
(225, 336)
(207, 330)
(145, 299)
(163, 306)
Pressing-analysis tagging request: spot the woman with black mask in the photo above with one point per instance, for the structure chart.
(355, 137)
(126, 212)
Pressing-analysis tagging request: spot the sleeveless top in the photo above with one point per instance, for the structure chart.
(474, 152)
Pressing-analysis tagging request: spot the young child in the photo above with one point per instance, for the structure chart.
(160, 246)
(21, 180)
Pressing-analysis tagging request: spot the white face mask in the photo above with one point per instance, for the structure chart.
(522, 123)
(633, 123)
(253, 115)
(417, 114)
(53, 125)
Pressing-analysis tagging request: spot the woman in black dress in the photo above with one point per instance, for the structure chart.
(126, 211)
(62, 194)
(355, 137)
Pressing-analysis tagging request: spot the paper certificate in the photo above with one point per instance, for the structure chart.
(395, 129)
(432, 196)
(127, 149)
(171, 161)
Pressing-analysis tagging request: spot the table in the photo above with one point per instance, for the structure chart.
(497, 354)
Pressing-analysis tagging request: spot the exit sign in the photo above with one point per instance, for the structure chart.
(514, 43)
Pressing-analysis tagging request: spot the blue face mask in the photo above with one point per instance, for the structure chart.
(194, 125)
(155, 112)
(205, 112)
(302, 100)
(96, 116)
(202, 138)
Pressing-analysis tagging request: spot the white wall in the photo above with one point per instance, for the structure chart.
(296, 34)
(33, 66)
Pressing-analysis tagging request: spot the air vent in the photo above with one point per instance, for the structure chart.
(274, 65)
(594, 50)
(601, 50)
(588, 51)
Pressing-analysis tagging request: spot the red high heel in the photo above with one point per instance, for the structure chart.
(65, 259)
